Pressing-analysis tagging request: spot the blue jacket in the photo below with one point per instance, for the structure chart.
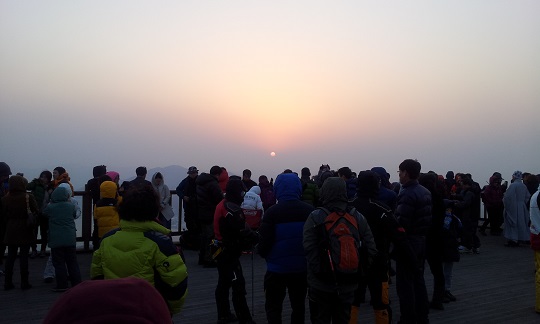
(282, 228)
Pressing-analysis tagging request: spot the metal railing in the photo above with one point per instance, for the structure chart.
(87, 222)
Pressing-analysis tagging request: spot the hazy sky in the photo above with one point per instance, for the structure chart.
(455, 84)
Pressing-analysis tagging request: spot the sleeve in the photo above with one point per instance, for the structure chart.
(267, 234)
(310, 241)
(404, 210)
(259, 204)
(167, 196)
(96, 268)
(180, 188)
(33, 204)
(172, 278)
(365, 232)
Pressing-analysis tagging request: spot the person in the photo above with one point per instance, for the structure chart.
(92, 186)
(106, 209)
(449, 182)
(5, 172)
(140, 180)
(413, 212)
(61, 213)
(60, 175)
(465, 210)
(535, 242)
(267, 192)
(346, 174)
(166, 213)
(187, 192)
(246, 179)
(323, 174)
(310, 191)
(386, 195)
(385, 230)
(281, 235)
(435, 243)
(252, 199)
(39, 187)
(123, 300)
(232, 236)
(330, 300)
(209, 194)
(18, 234)
(223, 179)
(516, 217)
(492, 196)
(142, 248)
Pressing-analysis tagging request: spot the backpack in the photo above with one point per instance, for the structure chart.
(340, 247)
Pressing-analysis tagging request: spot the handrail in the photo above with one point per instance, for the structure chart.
(87, 226)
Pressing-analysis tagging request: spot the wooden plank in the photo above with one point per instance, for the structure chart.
(494, 286)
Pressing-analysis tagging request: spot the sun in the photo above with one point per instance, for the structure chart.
(272, 154)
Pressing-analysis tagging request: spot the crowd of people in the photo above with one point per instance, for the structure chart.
(327, 237)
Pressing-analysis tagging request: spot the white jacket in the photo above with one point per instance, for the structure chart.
(252, 199)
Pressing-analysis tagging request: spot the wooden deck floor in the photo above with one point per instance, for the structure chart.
(496, 286)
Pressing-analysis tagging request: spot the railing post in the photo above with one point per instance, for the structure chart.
(86, 218)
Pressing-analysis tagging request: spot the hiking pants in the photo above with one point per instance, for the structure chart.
(410, 284)
(275, 289)
(230, 275)
(330, 307)
(64, 261)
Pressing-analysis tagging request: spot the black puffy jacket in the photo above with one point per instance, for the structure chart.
(413, 210)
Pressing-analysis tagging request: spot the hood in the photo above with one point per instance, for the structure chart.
(68, 188)
(115, 176)
(223, 179)
(204, 178)
(256, 190)
(263, 182)
(154, 179)
(288, 187)
(17, 184)
(60, 194)
(334, 194)
(368, 184)
(107, 190)
(383, 175)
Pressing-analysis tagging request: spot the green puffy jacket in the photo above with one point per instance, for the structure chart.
(143, 250)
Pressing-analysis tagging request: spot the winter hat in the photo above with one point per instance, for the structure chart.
(497, 175)
(192, 170)
(4, 169)
(517, 175)
(125, 300)
(383, 175)
(305, 172)
(115, 176)
(368, 184)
